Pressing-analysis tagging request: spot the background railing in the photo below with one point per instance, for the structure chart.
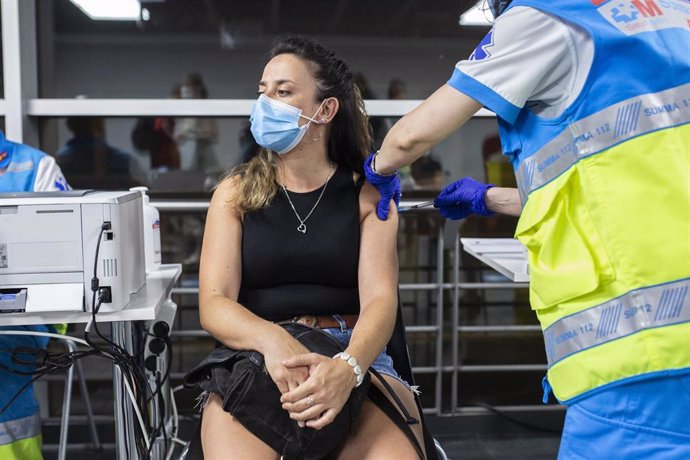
(438, 320)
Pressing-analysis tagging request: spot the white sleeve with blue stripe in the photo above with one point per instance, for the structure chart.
(49, 177)
(527, 55)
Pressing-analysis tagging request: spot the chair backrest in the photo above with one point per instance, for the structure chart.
(397, 350)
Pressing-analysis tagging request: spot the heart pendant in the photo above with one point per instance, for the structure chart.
(302, 228)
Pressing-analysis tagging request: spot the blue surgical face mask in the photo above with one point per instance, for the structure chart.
(274, 124)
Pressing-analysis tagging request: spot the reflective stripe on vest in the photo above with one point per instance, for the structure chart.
(645, 308)
(602, 130)
(14, 430)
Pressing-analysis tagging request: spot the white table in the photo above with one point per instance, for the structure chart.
(144, 306)
(505, 255)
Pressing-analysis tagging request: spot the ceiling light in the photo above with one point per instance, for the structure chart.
(478, 15)
(120, 10)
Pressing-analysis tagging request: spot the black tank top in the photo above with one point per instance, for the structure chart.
(287, 273)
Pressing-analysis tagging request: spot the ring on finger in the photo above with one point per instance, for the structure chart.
(310, 401)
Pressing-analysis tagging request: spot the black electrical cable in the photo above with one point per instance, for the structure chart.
(163, 335)
(161, 425)
(53, 363)
(124, 356)
(38, 371)
(126, 362)
(119, 358)
(166, 378)
(95, 287)
(43, 363)
(20, 391)
(47, 368)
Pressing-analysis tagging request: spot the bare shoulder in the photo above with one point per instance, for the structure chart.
(228, 184)
(225, 196)
(368, 200)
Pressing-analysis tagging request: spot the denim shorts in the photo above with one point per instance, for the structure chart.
(383, 363)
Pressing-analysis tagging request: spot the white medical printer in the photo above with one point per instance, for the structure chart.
(48, 250)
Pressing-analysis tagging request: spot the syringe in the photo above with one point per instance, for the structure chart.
(426, 204)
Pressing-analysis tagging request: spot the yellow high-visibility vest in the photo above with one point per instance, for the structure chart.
(609, 254)
(606, 193)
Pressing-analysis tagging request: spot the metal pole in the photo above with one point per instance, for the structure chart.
(455, 342)
(405, 287)
(439, 321)
(504, 368)
(87, 405)
(66, 405)
(121, 332)
(517, 328)
(20, 68)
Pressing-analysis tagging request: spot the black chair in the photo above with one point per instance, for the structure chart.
(397, 350)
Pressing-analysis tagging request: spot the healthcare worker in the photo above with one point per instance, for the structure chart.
(23, 169)
(593, 103)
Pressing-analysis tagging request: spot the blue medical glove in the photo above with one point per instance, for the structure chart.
(388, 187)
(462, 198)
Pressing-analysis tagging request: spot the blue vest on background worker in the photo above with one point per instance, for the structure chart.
(23, 169)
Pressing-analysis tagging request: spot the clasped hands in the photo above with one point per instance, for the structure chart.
(314, 387)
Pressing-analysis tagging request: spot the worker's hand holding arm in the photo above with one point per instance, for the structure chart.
(427, 125)
(388, 187)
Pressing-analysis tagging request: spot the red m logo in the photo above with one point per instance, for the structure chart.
(647, 8)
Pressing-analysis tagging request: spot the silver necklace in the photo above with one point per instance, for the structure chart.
(302, 227)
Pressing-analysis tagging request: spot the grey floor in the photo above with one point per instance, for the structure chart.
(526, 435)
(487, 437)
(503, 447)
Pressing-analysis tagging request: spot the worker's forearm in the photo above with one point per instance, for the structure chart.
(427, 125)
(398, 149)
(504, 200)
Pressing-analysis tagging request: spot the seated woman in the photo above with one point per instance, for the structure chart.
(293, 234)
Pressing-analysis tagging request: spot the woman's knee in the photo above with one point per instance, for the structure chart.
(404, 393)
(376, 436)
(223, 437)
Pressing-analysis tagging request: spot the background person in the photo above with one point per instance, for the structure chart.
(600, 144)
(196, 137)
(90, 162)
(154, 135)
(23, 169)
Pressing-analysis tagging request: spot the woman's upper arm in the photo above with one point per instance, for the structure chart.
(378, 256)
(220, 265)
